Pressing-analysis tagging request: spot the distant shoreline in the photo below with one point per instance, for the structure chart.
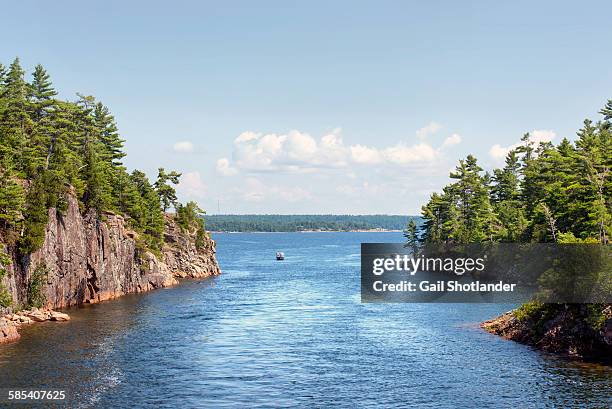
(311, 231)
(276, 223)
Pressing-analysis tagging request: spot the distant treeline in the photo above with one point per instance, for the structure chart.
(289, 223)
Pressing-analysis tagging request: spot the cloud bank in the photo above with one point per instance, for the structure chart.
(297, 151)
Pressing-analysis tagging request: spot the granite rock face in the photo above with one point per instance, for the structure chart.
(8, 332)
(89, 259)
(564, 332)
(182, 257)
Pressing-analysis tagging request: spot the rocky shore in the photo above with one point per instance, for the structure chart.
(11, 322)
(88, 259)
(571, 330)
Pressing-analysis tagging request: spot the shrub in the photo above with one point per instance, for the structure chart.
(36, 296)
(528, 311)
(5, 297)
(595, 316)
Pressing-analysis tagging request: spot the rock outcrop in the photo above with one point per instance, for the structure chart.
(564, 329)
(88, 260)
(8, 331)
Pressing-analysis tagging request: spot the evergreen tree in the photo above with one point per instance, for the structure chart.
(475, 215)
(543, 193)
(41, 93)
(167, 194)
(51, 148)
(35, 218)
(505, 198)
(112, 144)
(411, 234)
(15, 123)
(149, 215)
(11, 198)
(607, 111)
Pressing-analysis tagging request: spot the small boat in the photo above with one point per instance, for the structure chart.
(280, 255)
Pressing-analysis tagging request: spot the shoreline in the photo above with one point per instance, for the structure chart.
(310, 231)
(12, 321)
(564, 333)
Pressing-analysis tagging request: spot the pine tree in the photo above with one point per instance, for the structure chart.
(167, 194)
(411, 234)
(543, 193)
(112, 144)
(35, 218)
(149, 216)
(505, 198)
(2, 77)
(475, 218)
(11, 198)
(607, 111)
(15, 123)
(50, 148)
(41, 93)
(94, 171)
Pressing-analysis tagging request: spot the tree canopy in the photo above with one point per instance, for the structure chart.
(50, 147)
(543, 193)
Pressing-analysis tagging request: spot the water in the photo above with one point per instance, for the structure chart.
(290, 333)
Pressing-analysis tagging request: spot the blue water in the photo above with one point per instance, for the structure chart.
(291, 333)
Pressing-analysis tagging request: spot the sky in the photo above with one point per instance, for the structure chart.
(321, 107)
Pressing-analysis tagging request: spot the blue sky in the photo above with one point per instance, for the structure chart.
(321, 107)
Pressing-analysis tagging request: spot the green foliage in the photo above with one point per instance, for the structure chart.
(304, 222)
(35, 218)
(11, 198)
(146, 212)
(544, 193)
(528, 310)
(50, 148)
(201, 237)
(5, 297)
(38, 279)
(189, 218)
(411, 234)
(167, 194)
(595, 316)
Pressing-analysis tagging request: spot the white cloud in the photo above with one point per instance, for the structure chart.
(429, 129)
(536, 136)
(299, 152)
(300, 147)
(499, 152)
(365, 155)
(191, 185)
(332, 150)
(405, 155)
(399, 154)
(452, 140)
(292, 152)
(224, 168)
(183, 147)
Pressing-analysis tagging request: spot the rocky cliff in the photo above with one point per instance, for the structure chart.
(87, 259)
(566, 329)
